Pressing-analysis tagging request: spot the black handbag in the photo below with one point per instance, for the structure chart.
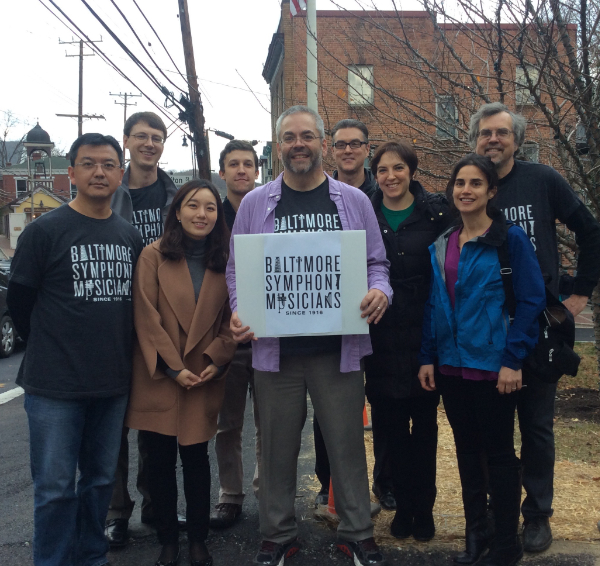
(553, 355)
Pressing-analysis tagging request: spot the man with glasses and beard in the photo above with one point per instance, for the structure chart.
(329, 367)
(534, 196)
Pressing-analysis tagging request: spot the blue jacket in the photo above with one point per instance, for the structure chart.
(477, 333)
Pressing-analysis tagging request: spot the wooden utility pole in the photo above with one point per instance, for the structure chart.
(196, 117)
(81, 55)
(125, 96)
(125, 104)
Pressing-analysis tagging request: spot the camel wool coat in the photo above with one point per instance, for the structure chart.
(187, 336)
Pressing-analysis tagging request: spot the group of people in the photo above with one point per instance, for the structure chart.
(127, 298)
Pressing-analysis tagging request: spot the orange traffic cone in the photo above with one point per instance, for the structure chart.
(331, 501)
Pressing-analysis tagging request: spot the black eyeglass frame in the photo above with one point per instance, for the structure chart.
(346, 144)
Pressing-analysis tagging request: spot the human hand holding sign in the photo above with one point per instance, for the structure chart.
(374, 305)
(240, 332)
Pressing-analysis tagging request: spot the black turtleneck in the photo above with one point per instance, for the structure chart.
(194, 255)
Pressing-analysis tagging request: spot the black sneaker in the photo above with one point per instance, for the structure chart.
(537, 535)
(364, 552)
(273, 554)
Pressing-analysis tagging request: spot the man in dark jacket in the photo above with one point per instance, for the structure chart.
(143, 199)
(238, 167)
(350, 143)
(351, 147)
(533, 196)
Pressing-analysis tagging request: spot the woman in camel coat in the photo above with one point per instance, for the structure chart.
(181, 313)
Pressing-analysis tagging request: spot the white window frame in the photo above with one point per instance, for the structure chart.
(17, 193)
(360, 85)
(531, 150)
(72, 190)
(523, 96)
(442, 129)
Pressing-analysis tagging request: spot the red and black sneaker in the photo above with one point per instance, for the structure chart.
(273, 554)
(364, 552)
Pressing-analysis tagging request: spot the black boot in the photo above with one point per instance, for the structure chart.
(505, 484)
(474, 493)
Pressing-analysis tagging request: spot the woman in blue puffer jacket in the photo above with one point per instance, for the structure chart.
(467, 331)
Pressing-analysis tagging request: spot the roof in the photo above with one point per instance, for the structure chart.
(37, 135)
(58, 162)
(37, 190)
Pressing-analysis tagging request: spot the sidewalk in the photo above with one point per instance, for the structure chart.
(5, 251)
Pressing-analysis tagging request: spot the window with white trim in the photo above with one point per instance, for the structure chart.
(531, 151)
(72, 190)
(21, 187)
(446, 115)
(523, 95)
(360, 85)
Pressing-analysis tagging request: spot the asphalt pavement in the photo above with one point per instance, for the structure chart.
(233, 547)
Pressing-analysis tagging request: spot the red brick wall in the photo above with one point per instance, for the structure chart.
(409, 97)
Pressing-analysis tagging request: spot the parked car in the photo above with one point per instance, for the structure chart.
(8, 334)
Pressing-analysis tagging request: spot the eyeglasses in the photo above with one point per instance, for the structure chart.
(307, 137)
(502, 133)
(158, 140)
(354, 144)
(91, 166)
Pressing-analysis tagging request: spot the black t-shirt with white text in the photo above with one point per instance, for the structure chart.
(533, 196)
(307, 211)
(148, 203)
(82, 321)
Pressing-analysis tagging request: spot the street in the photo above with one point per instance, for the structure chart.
(232, 547)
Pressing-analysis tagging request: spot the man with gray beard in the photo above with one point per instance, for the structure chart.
(305, 199)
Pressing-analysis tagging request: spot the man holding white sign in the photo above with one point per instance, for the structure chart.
(305, 199)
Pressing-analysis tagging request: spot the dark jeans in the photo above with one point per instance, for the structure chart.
(535, 408)
(382, 469)
(69, 509)
(482, 420)
(412, 449)
(162, 461)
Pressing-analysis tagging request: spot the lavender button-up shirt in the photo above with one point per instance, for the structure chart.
(256, 215)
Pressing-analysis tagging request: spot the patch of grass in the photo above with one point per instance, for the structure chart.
(587, 376)
(577, 441)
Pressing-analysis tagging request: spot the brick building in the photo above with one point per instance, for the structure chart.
(403, 75)
(43, 175)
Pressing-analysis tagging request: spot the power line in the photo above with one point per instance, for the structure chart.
(184, 77)
(81, 56)
(79, 33)
(143, 46)
(127, 50)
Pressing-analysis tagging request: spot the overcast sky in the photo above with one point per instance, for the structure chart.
(229, 36)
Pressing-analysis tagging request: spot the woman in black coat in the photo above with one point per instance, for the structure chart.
(410, 220)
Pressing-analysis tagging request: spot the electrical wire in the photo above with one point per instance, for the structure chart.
(143, 46)
(83, 37)
(129, 52)
(184, 77)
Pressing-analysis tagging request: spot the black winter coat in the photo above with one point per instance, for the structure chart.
(391, 371)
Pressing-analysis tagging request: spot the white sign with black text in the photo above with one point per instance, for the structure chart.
(303, 283)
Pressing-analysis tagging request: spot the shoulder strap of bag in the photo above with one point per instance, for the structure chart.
(506, 272)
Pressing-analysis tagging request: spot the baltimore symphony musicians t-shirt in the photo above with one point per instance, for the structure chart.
(148, 203)
(307, 211)
(82, 324)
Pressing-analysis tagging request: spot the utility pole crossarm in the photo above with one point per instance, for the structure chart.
(81, 55)
(125, 103)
